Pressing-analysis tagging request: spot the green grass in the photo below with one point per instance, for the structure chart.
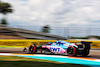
(14, 61)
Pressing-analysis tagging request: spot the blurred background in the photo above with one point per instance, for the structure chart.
(75, 19)
(70, 32)
(26, 22)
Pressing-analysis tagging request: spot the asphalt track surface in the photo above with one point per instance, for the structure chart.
(93, 53)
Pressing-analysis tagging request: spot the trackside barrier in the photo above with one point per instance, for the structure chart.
(22, 43)
(25, 43)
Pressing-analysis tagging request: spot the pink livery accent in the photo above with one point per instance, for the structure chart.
(56, 49)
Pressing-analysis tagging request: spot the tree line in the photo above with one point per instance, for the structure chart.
(5, 8)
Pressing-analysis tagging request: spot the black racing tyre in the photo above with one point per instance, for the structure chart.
(32, 49)
(72, 51)
(85, 52)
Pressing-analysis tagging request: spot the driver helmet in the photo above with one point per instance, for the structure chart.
(49, 43)
(58, 42)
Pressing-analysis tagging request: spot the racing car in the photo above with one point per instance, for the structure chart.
(62, 47)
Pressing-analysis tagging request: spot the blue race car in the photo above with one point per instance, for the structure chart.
(62, 47)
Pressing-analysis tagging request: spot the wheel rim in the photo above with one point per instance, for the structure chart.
(71, 51)
(32, 49)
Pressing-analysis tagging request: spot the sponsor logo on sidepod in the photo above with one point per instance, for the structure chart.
(55, 49)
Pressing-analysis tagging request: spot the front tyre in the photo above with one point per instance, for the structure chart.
(32, 49)
(72, 51)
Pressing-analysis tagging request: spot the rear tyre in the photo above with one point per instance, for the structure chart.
(85, 52)
(32, 49)
(72, 51)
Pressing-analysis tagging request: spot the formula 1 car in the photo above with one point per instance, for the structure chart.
(62, 47)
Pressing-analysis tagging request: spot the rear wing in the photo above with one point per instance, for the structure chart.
(87, 45)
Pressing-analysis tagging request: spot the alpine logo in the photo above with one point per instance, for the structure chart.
(55, 49)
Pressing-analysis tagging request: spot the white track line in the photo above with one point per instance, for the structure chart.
(50, 55)
(6, 54)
